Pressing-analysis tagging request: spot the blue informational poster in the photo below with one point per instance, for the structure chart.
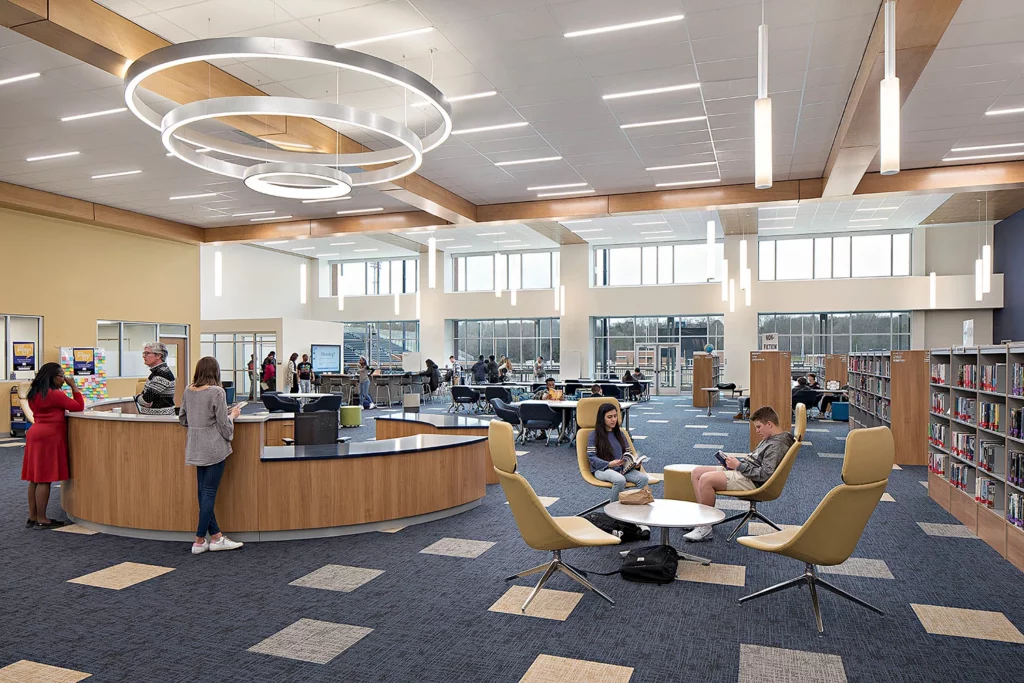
(24, 356)
(326, 358)
(84, 361)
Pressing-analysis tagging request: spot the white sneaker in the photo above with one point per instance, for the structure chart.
(701, 533)
(372, 406)
(197, 549)
(224, 543)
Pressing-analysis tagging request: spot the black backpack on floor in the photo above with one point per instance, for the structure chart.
(624, 530)
(651, 564)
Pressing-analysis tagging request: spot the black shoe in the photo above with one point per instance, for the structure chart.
(52, 524)
(30, 523)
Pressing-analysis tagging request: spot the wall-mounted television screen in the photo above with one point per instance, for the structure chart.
(326, 358)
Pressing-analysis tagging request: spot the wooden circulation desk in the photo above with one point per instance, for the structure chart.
(397, 425)
(128, 477)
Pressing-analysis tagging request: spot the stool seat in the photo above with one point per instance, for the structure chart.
(351, 416)
(678, 482)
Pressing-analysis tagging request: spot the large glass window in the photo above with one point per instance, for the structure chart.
(522, 340)
(123, 342)
(805, 334)
(527, 270)
(382, 343)
(825, 258)
(615, 339)
(663, 265)
(369, 278)
(233, 352)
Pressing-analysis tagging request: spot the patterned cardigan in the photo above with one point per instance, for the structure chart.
(158, 392)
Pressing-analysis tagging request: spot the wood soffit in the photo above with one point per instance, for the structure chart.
(970, 207)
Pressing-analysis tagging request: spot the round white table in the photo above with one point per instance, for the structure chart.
(668, 514)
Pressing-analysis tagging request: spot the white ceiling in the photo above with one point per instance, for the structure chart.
(647, 229)
(340, 247)
(850, 215)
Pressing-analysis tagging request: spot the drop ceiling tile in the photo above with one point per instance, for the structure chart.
(167, 29)
(645, 57)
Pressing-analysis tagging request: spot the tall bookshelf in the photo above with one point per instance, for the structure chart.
(889, 388)
(836, 368)
(976, 444)
(707, 372)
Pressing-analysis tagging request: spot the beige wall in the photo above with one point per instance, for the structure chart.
(73, 274)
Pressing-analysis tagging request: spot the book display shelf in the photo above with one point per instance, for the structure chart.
(889, 389)
(975, 442)
(707, 372)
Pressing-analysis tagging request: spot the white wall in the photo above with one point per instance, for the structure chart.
(946, 328)
(257, 283)
(952, 249)
(298, 334)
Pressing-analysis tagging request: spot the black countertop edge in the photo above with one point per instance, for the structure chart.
(433, 420)
(369, 449)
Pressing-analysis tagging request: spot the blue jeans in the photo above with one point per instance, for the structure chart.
(305, 386)
(618, 481)
(208, 481)
(364, 392)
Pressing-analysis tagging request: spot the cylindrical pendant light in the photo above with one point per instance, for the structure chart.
(748, 289)
(732, 295)
(986, 268)
(302, 283)
(725, 279)
(561, 300)
(500, 268)
(889, 98)
(762, 113)
(556, 283)
(432, 263)
(397, 309)
(711, 251)
(418, 316)
(931, 289)
(979, 289)
(218, 274)
(743, 260)
(341, 286)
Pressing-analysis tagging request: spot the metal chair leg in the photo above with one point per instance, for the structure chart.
(814, 603)
(799, 580)
(529, 572)
(536, 589)
(549, 568)
(592, 508)
(843, 594)
(575, 575)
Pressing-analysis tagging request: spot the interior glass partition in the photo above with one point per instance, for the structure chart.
(233, 351)
(616, 342)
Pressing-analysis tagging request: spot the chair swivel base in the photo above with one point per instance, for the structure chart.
(549, 568)
(811, 579)
(750, 515)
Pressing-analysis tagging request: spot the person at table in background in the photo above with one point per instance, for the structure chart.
(742, 474)
(157, 397)
(306, 375)
(812, 381)
(503, 377)
(479, 371)
(456, 370)
(432, 376)
(46, 443)
(596, 390)
(802, 393)
(538, 368)
(550, 393)
(211, 426)
(493, 375)
(635, 388)
(270, 372)
(289, 375)
(506, 363)
(365, 371)
(606, 447)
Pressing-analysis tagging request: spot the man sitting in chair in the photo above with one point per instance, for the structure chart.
(742, 474)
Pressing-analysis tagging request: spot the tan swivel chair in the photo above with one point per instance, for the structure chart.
(771, 489)
(831, 533)
(586, 419)
(538, 528)
(23, 389)
(140, 386)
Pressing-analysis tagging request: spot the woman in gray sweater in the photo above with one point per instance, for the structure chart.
(204, 410)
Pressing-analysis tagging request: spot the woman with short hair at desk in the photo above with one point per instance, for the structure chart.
(606, 448)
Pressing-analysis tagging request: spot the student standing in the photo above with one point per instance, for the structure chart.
(289, 375)
(365, 371)
(46, 443)
(211, 426)
(306, 375)
(270, 372)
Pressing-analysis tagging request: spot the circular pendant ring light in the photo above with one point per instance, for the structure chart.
(261, 178)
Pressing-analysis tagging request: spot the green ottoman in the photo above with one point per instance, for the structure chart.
(351, 416)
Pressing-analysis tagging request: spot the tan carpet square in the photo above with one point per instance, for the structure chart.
(392, 530)
(887, 498)
(759, 664)
(122, 575)
(967, 623)
(860, 566)
(946, 530)
(34, 672)
(546, 501)
(550, 669)
(337, 577)
(760, 528)
(549, 604)
(519, 453)
(897, 467)
(76, 529)
(458, 547)
(722, 574)
(309, 640)
(923, 483)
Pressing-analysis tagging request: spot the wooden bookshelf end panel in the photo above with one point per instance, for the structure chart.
(992, 529)
(938, 490)
(703, 376)
(1015, 546)
(964, 509)
(910, 372)
(771, 385)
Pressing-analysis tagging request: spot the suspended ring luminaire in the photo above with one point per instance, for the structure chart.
(174, 131)
(261, 178)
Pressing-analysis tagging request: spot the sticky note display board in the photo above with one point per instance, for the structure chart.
(93, 386)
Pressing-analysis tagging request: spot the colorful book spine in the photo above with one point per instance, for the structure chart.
(964, 409)
(937, 463)
(1015, 468)
(985, 492)
(1017, 380)
(1014, 510)
(987, 455)
(967, 376)
(958, 475)
(940, 373)
(990, 415)
(1015, 425)
(940, 403)
(964, 445)
(938, 434)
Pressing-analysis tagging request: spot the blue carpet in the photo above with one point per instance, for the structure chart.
(429, 614)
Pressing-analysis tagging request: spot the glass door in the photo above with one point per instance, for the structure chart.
(666, 374)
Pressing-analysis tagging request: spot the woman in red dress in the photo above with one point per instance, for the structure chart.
(46, 444)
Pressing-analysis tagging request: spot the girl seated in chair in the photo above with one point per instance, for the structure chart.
(606, 450)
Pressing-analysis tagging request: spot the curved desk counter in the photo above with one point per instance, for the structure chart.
(128, 477)
(397, 425)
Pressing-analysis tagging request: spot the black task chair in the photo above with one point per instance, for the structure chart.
(611, 391)
(539, 417)
(462, 397)
(507, 413)
(572, 387)
(497, 392)
(326, 403)
(280, 404)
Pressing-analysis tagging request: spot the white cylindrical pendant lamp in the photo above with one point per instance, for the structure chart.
(432, 263)
(302, 283)
(725, 279)
(762, 116)
(218, 273)
(931, 289)
(986, 269)
(889, 99)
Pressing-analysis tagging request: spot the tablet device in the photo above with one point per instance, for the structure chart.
(720, 456)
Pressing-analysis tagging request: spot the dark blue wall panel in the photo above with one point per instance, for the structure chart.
(1008, 259)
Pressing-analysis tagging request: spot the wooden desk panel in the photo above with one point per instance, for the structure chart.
(393, 429)
(276, 430)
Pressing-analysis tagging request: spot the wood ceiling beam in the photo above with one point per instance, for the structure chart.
(974, 178)
(920, 24)
(969, 207)
(90, 32)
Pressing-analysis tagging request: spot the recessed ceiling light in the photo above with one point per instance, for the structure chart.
(655, 232)
(297, 145)
(482, 129)
(325, 255)
(664, 237)
(594, 239)
(977, 148)
(650, 91)
(352, 211)
(785, 227)
(52, 156)
(650, 223)
(342, 244)
(877, 208)
(582, 220)
(663, 122)
(15, 79)
(563, 194)
(446, 239)
(363, 250)
(267, 244)
(488, 234)
(90, 115)
(777, 218)
(867, 220)
(114, 175)
(303, 248)
(269, 218)
(389, 36)
(985, 156)
(252, 213)
(580, 232)
(997, 112)
(535, 160)
(505, 241)
(689, 182)
(463, 98)
(193, 196)
(330, 199)
(623, 27)
(461, 246)
(669, 168)
(555, 187)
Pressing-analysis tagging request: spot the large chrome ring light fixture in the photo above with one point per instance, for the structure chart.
(282, 164)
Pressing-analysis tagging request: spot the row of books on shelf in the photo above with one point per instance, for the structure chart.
(1015, 468)
(938, 434)
(988, 453)
(986, 492)
(963, 409)
(1017, 380)
(1016, 423)
(940, 403)
(871, 365)
(958, 473)
(876, 385)
(940, 373)
(937, 463)
(990, 415)
(879, 407)
(1015, 509)
(967, 376)
(993, 377)
(964, 445)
